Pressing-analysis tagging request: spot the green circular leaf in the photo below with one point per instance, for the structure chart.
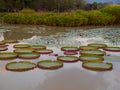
(21, 46)
(49, 64)
(98, 45)
(23, 50)
(68, 58)
(70, 48)
(112, 49)
(88, 48)
(45, 51)
(10, 41)
(38, 47)
(30, 55)
(92, 52)
(91, 58)
(7, 55)
(20, 66)
(97, 66)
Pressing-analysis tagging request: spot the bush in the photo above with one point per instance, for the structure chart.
(96, 17)
(113, 10)
(1, 17)
(77, 18)
(71, 19)
(27, 11)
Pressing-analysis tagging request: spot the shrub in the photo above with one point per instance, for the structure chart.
(96, 17)
(71, 19)
(76, 18)
(1, 17)
(27, 11)
(113, 10)
(80, 12)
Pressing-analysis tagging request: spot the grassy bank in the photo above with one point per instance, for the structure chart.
(109, 15)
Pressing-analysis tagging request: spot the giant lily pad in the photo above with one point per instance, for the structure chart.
(21, 46)
(112, 49)
(30, 55)
(38, 47)
(70, 52)
(114, 58)
(45, 51)
(92, 52)
(49, 64)
(20, 66)
(2, 43)
(88, 48)
(7, 55)
(97, 66)
(91, 58)
(3, 48)
(68, 58)
(98, 45)
(23, 50)
(70, 48)
(10, 41)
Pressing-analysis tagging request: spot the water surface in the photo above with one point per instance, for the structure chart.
(72, 76)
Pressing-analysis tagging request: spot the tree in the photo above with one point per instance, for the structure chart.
(80, 4)
(47, 5)
(2, 5)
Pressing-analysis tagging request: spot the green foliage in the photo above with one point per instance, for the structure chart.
(42, 5)
(1, 17)
(54, 19)
(50, 19)
(71, 19)
(96, 17)
(27, 11)
(113, 10)
(77, 18)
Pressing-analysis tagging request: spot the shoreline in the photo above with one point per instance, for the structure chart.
(84, 26)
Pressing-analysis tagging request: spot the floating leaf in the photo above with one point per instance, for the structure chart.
(45, 51)
(112, 49)
(20, 66)
(7, 55)
(68, 58)
(49, 64)
(30, 55)
(91, 58)
(92, 52)
(97, 66)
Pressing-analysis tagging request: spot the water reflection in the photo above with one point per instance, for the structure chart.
(113, 80)
(73, 79)
(21, 81)
(1, 36)
(2, 67)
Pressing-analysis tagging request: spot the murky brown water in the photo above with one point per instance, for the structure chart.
(72, 76)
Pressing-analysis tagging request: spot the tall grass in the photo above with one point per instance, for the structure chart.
(77, 18)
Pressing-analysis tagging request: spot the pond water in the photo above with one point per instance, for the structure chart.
(72, 76)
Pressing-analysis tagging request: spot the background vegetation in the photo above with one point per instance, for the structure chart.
(58, 12)
(48, 5)
(105, 16)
